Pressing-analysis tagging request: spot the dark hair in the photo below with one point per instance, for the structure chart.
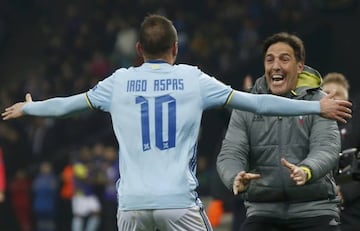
(157, 34)
(292, 40)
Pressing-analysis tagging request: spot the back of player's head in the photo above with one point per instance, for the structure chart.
(157, 34)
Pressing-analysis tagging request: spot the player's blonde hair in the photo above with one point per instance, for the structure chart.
(337, 78)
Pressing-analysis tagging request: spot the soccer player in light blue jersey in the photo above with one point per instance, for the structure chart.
(156, 111)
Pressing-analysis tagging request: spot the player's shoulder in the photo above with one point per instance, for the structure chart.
(123, 70)
(188, 67)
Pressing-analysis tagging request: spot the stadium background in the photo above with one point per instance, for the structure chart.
(54, 48)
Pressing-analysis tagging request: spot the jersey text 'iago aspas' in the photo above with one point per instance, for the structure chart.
(158, 85)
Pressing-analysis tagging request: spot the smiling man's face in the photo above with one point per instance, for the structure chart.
(281, 68)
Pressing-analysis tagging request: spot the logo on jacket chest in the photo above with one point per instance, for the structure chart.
(258, 118)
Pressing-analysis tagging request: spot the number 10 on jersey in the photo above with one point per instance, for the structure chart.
(161, 119)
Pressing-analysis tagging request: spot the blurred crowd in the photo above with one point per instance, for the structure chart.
(43, 200)
(81, 42)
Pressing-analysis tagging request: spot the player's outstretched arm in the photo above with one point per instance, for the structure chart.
(54, 107)
(273, 105)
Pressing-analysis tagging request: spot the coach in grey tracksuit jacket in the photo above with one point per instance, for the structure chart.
(256, 143)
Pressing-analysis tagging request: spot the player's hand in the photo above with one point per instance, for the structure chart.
(296, 173)
(242, 180)
(15, 111)
(335, 109)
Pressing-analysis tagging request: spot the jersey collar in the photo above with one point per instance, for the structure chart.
(156, 61)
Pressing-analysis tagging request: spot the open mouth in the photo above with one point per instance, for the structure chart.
(277, 79)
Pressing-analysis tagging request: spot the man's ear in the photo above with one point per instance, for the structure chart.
(300, 67)
(175, 49)
(139, 49)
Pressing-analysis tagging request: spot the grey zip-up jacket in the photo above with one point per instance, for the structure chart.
(256, 143)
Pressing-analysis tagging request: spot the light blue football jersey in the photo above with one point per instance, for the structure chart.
(156, 111)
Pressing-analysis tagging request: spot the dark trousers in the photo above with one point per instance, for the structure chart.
(320, 223)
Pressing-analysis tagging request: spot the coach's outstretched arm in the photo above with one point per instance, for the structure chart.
(273, 105)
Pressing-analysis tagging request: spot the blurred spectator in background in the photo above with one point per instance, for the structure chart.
(2, 190)
(349, 190)
(86, 205)
(248, 39)
(335, 81)
(247, 83)
(66, 194)
(20, 193)
(221, 200)
(124, 53)
(99, 66)
(40, 139)
(97, 172)
(2, 178)
(45, 190)
(111, 169)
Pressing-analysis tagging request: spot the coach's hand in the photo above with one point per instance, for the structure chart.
(15, 111)
(335, 109)
(242, 180)
(298, 174)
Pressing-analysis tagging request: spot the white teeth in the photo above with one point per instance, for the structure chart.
(277, 77)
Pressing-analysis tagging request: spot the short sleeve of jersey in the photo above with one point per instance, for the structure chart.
(214, 93)
(100, 95)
